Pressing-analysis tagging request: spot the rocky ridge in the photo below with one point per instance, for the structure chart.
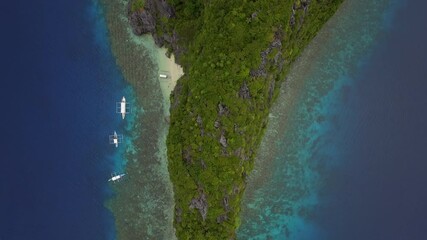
(148, 21)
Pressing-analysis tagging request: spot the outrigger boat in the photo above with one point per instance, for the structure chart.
(123, 107)
(116, 139)
(116, 177)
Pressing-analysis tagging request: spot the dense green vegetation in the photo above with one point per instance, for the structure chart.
(237, 54)
(136, 5)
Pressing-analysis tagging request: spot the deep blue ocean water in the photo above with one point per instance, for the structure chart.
(379, 191)
(59, 87)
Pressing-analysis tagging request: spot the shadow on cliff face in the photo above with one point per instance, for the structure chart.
(148, 21)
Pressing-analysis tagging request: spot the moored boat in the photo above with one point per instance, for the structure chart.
(123, 107)
(116, 177)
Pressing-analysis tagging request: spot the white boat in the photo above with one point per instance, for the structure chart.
(116, 177)
(123, 107)
(115, 139)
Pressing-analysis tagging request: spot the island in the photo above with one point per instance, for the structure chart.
(235, 56)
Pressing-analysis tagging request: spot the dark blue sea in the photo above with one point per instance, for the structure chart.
(379, 191)
(59, 87)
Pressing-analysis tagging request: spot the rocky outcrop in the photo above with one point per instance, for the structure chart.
(278, 61)
(223, 140)
(217, 124)
(240, 153)
(199, 121)
(225, 203)
(201, 204)
(221, 218)
(244, 91)
(142, 23)
(148, 20)
(300, 5)
(222, 109)
(145, 20)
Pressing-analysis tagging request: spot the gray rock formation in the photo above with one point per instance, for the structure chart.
(276, 43)
(149, 21)
(304, 4)
(217, 124)
(199, 121)
(204, 166)
(225, 203)
(244, 91)
(223, 140)
(222, 109)
(240, 153)
(221, 218)
(145, 21)
(201, 204)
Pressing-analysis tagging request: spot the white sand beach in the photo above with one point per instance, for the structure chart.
(173, 71)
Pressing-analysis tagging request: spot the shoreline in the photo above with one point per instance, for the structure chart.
(165, 64)
(136, 217)
(288, 157)
(144, 204)
(173, 70)
(222, 112)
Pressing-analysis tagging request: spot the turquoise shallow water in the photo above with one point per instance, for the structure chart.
(143, 203)
(127, 127)
(116, 156)
(300, 150)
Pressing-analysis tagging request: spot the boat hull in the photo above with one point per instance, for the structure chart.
(123, 107)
